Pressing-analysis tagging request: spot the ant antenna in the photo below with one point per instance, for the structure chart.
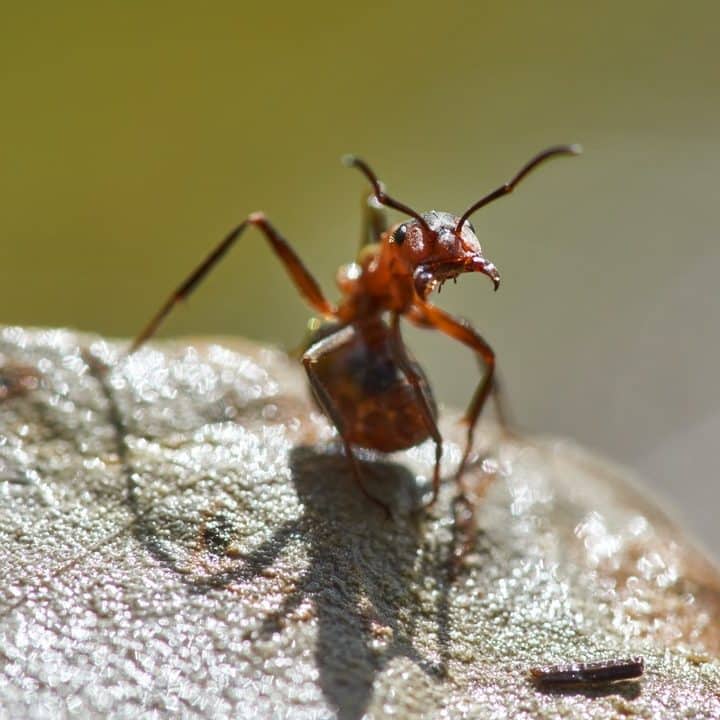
(380, 195)
(508, 187)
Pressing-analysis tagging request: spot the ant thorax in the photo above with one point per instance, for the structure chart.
(377, 282)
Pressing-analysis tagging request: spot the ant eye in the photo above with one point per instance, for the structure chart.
(472, 227)
(399, 235)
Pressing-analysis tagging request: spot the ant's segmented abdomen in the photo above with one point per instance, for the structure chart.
(363, 378)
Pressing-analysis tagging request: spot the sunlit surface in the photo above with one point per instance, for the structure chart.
(163, 555)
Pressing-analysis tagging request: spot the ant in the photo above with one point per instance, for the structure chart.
(361, 375)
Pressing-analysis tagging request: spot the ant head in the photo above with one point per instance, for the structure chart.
(437, 246)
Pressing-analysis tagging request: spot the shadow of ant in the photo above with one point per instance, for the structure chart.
(360, 566)
(358, 576)
(361, 575)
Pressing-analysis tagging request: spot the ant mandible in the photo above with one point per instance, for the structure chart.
(360, 372)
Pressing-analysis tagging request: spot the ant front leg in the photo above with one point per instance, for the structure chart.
(503, 413)
(374, 220)
(310, 359)
(465, 528)
(305, 283)
(428, 316)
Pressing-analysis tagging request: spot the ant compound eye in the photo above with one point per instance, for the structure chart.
(399, 235)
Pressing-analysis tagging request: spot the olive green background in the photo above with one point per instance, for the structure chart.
(133, 135)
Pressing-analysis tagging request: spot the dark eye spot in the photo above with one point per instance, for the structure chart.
(399, 235)
(472, 227)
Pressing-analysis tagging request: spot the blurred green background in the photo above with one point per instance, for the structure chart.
(135, 134)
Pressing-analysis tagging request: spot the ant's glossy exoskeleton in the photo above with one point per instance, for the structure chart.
(360, 372)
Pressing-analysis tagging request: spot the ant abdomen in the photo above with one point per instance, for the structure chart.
(363, 377)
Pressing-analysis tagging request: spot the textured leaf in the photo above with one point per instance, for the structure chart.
(181, 536)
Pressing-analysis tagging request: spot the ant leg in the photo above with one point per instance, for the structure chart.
(309, 360)
(374, 220)
(497, 390)
(502, 408)
(429, 316)
(305, 283)
(414, 379)
(499, 398)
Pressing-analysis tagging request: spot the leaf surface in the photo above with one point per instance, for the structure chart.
(181, 536)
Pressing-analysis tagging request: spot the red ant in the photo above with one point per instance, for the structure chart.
(360, 372)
